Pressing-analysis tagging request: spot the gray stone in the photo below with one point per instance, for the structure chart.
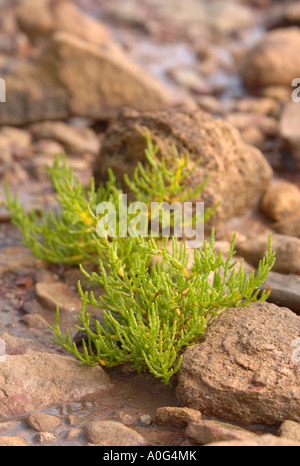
(35, 321)
(289, 226)
(285, 290)
(289, 130)
(287, 251)
(75, 140)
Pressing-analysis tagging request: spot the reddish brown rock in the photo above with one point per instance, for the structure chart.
(244, 371)
(30, 382)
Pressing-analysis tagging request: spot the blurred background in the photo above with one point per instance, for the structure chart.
(234, 59)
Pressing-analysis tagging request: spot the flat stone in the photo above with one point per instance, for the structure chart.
(263, 441)
(32, 307)
(109, 433)
(13, 441)
(43, 422)
(31, 382)
(285, 290)
(35, 321)
(287, 251)
(289, 226)
(76, 141)
(204, 432)
(15, 345)
(176, 416)
(289, 130)
(58, 294)
(18, 258)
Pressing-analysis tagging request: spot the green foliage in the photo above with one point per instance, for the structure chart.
(69, 235)
(153, 304)
(151, 313)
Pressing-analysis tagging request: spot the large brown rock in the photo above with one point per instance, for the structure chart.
(238, 173)
(75, 78)
(41, 18)
(285, 290)
(30, 382)
(275, 60)
(244, 371)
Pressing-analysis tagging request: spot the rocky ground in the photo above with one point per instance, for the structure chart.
(214, 78)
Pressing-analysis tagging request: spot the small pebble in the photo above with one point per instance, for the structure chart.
(45, 437)
(73, 434)
(145, 420)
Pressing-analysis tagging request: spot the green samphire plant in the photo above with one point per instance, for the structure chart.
(153, 304)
